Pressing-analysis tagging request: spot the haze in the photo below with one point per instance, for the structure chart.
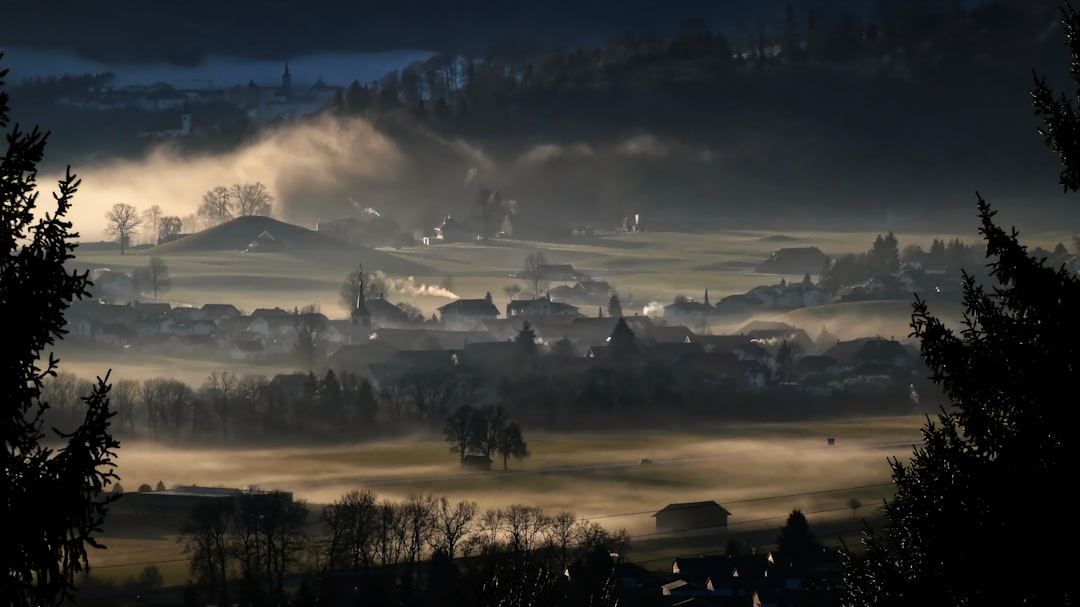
(619, 260)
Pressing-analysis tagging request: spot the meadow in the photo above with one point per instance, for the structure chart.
(760, 472)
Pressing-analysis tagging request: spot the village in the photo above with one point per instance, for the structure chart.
(380, 340)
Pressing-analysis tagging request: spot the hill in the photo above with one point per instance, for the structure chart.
(271, 235)
(239, 233)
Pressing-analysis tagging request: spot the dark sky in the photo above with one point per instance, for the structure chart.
(185, 32)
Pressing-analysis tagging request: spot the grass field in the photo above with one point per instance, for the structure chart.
(760, 472)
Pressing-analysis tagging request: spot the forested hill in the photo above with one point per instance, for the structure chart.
(818, 110)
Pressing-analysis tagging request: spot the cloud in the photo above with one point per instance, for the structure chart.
(541, 154)
(643, 146)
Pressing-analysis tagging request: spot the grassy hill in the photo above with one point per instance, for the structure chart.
(237, 234)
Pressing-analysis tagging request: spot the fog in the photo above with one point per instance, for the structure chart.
(770, 474)
(324, 168)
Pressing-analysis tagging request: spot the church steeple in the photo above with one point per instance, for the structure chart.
(361, 316)
(286, 80)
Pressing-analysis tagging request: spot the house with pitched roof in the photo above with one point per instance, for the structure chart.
(467, 314)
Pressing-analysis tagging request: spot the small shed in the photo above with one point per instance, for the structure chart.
(691, 516)
(476, 462)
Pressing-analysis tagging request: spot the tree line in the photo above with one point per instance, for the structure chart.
(242, 550)
(490, 87)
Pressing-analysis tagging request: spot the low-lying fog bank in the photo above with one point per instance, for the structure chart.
(760, 474)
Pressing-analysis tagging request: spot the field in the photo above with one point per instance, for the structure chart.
(759, 472)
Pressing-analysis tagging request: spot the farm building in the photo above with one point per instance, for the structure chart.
(476, 462)
(180, 501)
(691, 516)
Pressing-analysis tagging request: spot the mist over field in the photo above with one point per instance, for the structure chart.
(589, 477)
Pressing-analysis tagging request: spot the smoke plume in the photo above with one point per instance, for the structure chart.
(410, 287)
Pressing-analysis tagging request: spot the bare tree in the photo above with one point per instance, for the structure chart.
(169, 226)
(152, 219)
(351, 523)
(462, 430)
(524, 527)
(854, 504)
(389, 536)
(418, 514)
(452, 523)
(154, 277)
(220, 389)
(510, 443)
(216, 207)
(167, 403)
(433, 394)
(124, 397)
(205, 540)
(250, 199)
(312, 329)
(123, 220)
(533, 273)
(494, 419)
(374, 287)
(561, 534)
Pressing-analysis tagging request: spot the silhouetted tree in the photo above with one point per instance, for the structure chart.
(250, 199)
(45, 548)
(121, 222)
(155, 277)
(1059, 113)
(533, 273)
(205, 539)
(216, 207)
(526, 340)
(958, 503)
(463, 430)
(374, 287)
(509, 442)
(614, 306)
(169, 226)
(152, 219)
(311, 331)
(796, 543)
(623, 342)
(785, 361)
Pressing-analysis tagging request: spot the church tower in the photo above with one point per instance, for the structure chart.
(361, 316)
(286, 82)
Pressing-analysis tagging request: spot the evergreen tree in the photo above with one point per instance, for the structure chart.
(622, 342)
(55, 499)
(614, 306)
(796, 543)
(964, 499)
(526, 340)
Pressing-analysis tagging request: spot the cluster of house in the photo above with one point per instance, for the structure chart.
(262, 103)
(379, 339)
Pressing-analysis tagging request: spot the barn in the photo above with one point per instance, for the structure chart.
(691, 516)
